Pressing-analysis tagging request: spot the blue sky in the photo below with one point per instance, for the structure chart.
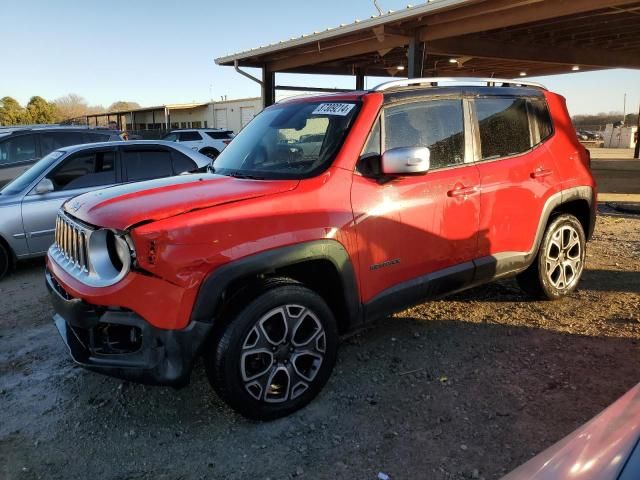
(162, 51)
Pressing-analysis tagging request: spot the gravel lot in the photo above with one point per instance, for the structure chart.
(465, 388)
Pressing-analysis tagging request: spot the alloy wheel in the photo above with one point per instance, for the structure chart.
(282, 354)
(564, 260)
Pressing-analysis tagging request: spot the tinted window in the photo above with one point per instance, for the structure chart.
(147, 164)
(540, 115)
(504, 126)
(171, 137)
(85, 169)
(219, 135)
(190, 137)
(438, 125)
(182, 163)
(96, 137)
(50, 141)
(17, 149)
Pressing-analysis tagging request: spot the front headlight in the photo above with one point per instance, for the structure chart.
(110, 256)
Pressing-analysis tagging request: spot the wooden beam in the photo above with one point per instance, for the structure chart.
(519, 14)
(361, 47)
(478, 48)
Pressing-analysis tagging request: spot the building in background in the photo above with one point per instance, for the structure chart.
(153, 122)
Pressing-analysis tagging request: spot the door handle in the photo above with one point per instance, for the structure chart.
(540, 173)
(462, 191)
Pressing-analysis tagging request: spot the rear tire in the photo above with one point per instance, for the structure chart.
(559, 263)
(5, 261)
(276, 351)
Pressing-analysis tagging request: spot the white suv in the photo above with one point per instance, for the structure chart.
(208, 141)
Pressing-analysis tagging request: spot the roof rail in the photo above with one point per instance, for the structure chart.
(435, 81)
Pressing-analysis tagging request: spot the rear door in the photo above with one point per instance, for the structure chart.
(79, 173)
(517, 176)
(414, 228)
(17, 154)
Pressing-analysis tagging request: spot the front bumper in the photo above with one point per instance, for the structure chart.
(120, 343)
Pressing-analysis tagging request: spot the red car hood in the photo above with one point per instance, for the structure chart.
(125, 205)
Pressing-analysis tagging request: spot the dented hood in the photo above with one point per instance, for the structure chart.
(125, 205)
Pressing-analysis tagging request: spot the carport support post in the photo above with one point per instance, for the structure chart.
(268, 87)
(636, 152)
(415, 54)
(359, 79)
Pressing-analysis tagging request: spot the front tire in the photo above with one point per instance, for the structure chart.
(559, 264)
(276, 352)
(5, 261)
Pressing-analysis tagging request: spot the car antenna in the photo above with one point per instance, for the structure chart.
(375, 4)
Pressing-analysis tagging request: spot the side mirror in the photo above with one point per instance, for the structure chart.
(406, 161)
(45, 186)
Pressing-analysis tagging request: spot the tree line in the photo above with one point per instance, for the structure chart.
(40, 111)
(602, 119)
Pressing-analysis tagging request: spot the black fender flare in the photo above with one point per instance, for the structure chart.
(210, 294)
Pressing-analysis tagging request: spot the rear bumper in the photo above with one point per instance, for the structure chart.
(122, 344)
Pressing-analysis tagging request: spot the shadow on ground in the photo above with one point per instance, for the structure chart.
(413, 397)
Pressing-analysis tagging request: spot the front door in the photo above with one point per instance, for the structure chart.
(413, 227)
(79, 173)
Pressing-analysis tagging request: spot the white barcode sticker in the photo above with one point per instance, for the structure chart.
(341, 109)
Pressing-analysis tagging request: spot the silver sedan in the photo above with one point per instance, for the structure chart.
(29, 204)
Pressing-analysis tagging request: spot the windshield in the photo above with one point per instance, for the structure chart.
(288, 141)
(24, 180)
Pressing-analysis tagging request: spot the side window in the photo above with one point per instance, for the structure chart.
(540, 115)
(182, 163)
(437, 124)
(504, 126)
(84, 170)
(50, 141)
(17, 149)
(190, 137)
(172, 137)
(95, 137)
(147, 164)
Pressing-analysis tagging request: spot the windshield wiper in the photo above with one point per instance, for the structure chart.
(243, 176)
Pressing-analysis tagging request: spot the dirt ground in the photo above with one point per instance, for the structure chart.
(468, 387)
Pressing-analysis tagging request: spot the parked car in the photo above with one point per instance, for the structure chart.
(29, 204)
(605, 448)
(208, 141)
(417, 191)
(21, 147)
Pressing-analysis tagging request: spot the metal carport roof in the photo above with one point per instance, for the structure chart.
(501, 38)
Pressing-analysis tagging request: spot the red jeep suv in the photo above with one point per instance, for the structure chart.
(322, 214)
